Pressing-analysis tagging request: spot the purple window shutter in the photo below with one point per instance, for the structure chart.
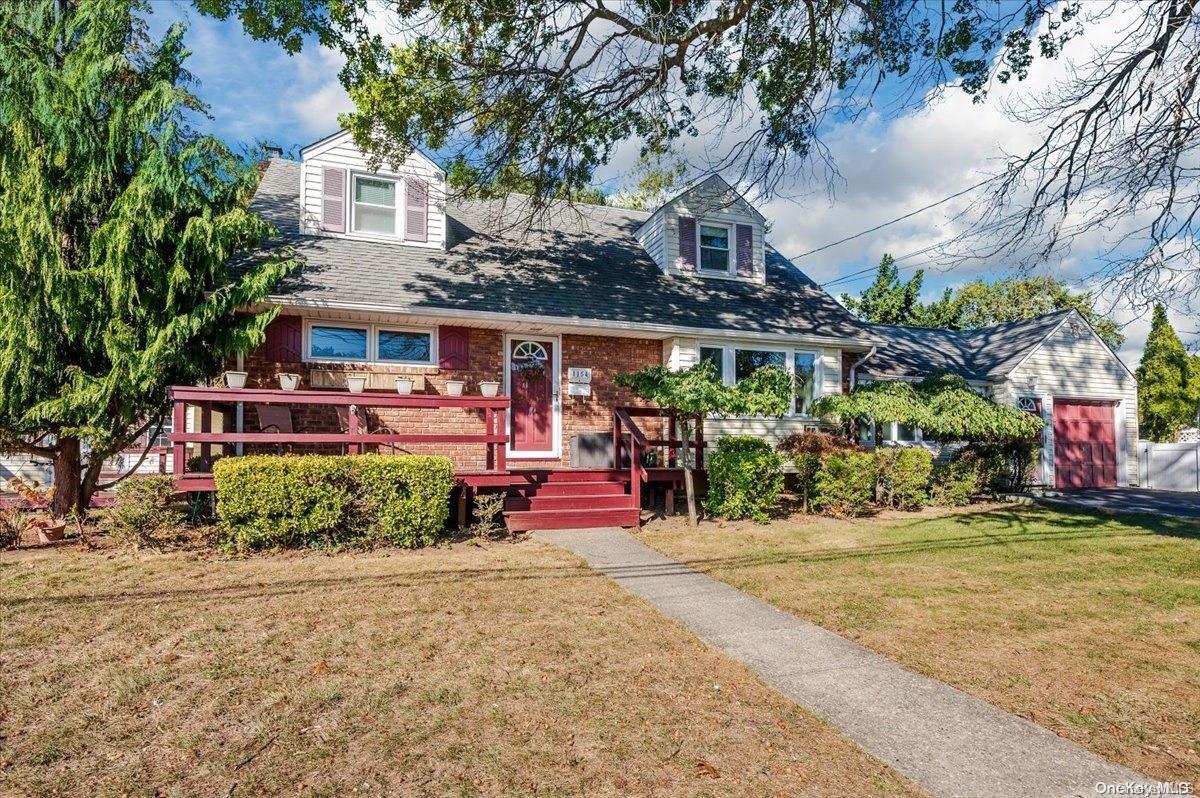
(687, 243)
(453, 346)
(333, 199)
(284, 336)
(745, 250)
(416, 210)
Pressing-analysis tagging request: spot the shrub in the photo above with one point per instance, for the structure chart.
(806, 450)
(1002, 466)
(145, 511)
(487, 507)
(903, 476)
(955, 482)
(845, 483)
(12, 524)
(321, 500)
(745, 477)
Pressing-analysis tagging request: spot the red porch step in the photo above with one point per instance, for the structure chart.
(573, 489)
(559, 502)
(572, 519)
(571, 499)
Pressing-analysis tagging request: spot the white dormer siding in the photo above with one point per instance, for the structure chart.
(330, 166)
(672, 234)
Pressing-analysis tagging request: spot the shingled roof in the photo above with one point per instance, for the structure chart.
(581, 263)
(984, 354)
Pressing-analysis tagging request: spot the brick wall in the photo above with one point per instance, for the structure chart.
(607, 357)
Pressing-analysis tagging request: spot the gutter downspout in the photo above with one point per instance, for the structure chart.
(859, 362)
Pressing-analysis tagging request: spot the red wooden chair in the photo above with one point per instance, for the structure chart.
(364, 425)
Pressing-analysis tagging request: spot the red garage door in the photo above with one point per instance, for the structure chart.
(1085, 444)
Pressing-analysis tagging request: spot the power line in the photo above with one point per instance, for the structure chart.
(882, 225)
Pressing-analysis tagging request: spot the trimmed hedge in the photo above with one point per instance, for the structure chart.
(845, 483)
(745, 477)
(904, 475)
(269, 501)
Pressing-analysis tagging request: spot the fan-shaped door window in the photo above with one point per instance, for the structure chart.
(532, 397)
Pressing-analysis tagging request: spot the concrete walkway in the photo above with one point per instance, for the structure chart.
(944, 740)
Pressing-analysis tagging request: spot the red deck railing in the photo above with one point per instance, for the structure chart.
(493, 437)
(638, 443)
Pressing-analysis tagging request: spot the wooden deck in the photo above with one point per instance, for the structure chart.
(536, 498)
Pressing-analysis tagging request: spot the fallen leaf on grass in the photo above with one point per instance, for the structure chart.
(320, 668)
(705, 769)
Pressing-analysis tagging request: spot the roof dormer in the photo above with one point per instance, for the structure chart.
(341, 195)
(709, 231)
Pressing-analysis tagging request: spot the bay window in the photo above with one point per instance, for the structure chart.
(363, 343)
(736, 363)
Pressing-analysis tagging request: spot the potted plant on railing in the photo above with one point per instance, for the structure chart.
(289, 381)
(489, 388)
(404, 385)
(235, 379)
(357, 383)
(455, 387)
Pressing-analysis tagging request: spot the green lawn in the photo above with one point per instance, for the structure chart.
(1087, 625)
(455, 671)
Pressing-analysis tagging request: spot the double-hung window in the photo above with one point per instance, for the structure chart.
(714, 248)
(374, 205)
(362, 343)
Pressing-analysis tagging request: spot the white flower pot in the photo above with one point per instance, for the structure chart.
(489, 388)
(404, 385)
(235, 379)
(455, 387)
(289, 382)
(357, 384)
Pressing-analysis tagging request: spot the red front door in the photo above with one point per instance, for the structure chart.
(1085, 444)
(531, 375)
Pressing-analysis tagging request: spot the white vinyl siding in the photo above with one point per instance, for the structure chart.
(710, 202)
(341, 152)
(1071, 366)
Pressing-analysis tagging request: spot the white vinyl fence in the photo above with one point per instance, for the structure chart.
(1169, 466)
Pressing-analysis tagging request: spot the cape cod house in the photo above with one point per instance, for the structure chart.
(397, 283)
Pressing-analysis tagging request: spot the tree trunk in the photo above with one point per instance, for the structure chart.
(689, 485)
(67, 477)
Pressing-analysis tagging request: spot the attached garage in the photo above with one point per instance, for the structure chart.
(1085, 443)
(1054, 366)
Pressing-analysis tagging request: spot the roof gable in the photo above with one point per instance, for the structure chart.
(337, 138)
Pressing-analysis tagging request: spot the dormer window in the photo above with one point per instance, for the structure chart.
(714, 248)
(374, 205)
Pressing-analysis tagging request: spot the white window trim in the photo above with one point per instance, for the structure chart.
(373, 330)
(731, 256)
(728, 366)
(401, 199)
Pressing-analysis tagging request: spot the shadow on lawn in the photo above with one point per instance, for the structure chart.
(987, 529)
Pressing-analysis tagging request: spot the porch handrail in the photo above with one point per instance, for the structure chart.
(494, 436)
(637, 444)
(671, 442)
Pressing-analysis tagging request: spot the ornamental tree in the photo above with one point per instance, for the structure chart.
(944, 407)
(117, 222)
(699, 391)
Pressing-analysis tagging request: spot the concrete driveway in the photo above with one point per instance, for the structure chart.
(1129, 500)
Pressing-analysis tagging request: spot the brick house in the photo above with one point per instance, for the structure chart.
(399, 283)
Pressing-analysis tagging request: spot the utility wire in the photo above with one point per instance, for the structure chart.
(882, 225)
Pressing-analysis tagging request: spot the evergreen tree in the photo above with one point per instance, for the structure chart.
(117, 222)
(1168, 382)
(981, 304)
(888, 300)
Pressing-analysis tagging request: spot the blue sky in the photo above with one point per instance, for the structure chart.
(889, 165)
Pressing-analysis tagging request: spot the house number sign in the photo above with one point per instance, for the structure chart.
(579, 382)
